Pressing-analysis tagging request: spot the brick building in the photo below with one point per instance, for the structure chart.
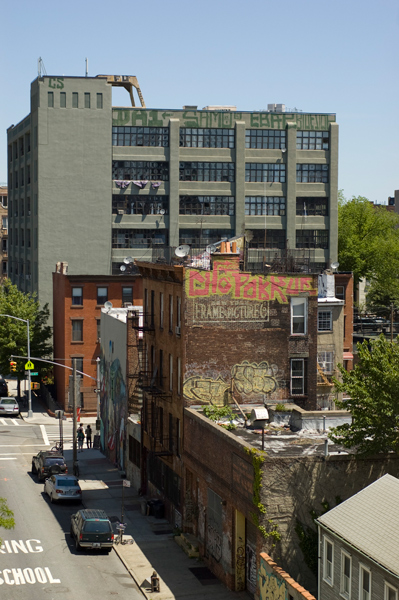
(344, 291)
(77, 303)
(4, 232)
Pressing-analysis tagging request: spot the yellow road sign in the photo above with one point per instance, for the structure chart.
(29, 366)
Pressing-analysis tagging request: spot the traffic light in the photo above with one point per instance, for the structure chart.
(13, 365)
(34, 385)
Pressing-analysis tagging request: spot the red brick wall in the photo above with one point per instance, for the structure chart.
(346, 280)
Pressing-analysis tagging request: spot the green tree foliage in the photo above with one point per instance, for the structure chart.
(368, 245)
(6, 516)
(373, 390)
(13, 333)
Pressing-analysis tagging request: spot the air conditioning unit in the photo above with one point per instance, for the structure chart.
(121, 211)
(177, 330)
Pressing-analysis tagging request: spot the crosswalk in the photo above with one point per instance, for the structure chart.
(49, 435)
(11, 421)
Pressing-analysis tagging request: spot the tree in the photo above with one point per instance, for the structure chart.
(373, 390)
(13, 333)
(368, 242)
(6, 516)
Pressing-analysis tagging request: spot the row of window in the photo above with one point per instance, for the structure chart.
(347, 576)
(215, 205)
(265, 139)
(274, 238)
(19, 148)
(156, 369)
(167, 434)
(174, 311)
(74, 101)
(216, 171)
(19, 178)
(102, 295)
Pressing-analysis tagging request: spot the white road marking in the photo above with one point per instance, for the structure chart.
(44, 434)
(10, 458)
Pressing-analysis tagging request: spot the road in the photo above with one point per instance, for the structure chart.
(38, 558)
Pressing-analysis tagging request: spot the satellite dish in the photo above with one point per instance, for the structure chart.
(182, 251)
(162, 211)
(108, 305)
(335, 265)
(128, 260)
(122, 268)
(211, 248)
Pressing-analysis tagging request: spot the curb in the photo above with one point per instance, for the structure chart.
(130, 571)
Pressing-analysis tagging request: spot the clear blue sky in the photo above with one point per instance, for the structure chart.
(337, 56)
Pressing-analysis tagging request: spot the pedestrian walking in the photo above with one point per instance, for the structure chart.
(81, 437)
(88, 436)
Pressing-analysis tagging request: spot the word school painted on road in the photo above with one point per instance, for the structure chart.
(18, 576)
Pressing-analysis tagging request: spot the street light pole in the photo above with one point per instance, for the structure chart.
(30, 413)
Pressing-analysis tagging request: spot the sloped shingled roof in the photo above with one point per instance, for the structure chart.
(369, 521)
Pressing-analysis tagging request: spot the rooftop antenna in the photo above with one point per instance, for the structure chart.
(182, 251)
(87, 67)
(40, 67)
(334, 266)
(108, 306)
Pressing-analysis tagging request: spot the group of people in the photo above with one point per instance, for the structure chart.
(82, 434)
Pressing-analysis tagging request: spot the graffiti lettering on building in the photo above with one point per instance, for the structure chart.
(253, 378)
(214, 542)
(240, 565)
(270, 588)
(235, 311)
(238, 285)
(205, 389)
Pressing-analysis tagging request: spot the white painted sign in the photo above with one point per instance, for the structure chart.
(18, 576)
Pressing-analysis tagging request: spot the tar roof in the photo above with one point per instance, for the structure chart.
(369, 520)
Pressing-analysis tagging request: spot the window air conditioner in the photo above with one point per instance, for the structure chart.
(121, 211)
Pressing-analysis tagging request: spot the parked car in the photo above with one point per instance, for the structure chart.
(47, 463)
(63, 487)
(91, 528)
(9, 406)
(3, 386)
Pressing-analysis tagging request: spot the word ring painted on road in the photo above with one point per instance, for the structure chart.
(18, 576)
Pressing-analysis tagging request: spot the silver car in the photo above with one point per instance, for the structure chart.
(9, 406)
(63, 487)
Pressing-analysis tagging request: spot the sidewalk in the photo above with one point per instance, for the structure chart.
(152, 547)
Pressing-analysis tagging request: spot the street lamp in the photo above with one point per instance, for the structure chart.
(30, 413)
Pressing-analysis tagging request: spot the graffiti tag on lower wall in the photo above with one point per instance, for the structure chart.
(247, 378)
(270, 587)
(214, 542)
(244, 286)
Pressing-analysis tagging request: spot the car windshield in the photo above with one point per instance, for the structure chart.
(54, 461)
(67, 483)
(7, 401)
(97, 526)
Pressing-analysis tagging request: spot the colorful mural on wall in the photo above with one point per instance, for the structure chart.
(113, 410)
(226, 280)
(249, 379)
(270, 587)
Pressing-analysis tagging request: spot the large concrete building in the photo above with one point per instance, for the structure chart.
(91, 184)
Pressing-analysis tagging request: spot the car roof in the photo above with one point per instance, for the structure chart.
(7, 398)
(92, 513)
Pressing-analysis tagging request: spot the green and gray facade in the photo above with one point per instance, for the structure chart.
(91, 184)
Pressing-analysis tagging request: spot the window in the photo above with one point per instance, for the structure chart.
(134, 451)
(206, 138)
(50, 99)
(178, 375)
(170, 372)
(364, 583)
(99, 100)
(178, 437)
(328, 566)
(127, 295)
(140, 170)
(160, 413)
(4, 222)
(98, 329)
(79, 364)
(146, 306)
(170, 432)
(203, 237)
(178, 315)
(298, 316)
(161, 310)
(161, 368)
(28, 174)
(152, 308)
(75, 99)
(265, 205)
(324, 320)
(390, 593)
(170, 313)
(28, 243)
(312, 173)
(140, 136)
(102, 295)
(22, 237)
(62, 99)
(77, 330)
(312, 140)
(340, 292)
(265, 172)
(346, 574)
(274, 238)
(28, 142)
(140, 205)
(312, 207)
(298, 376)
(77, 296)
(267, 139)
(4, 245)
(312, 238)
(207, 205)
(215, 520)
(139, 238)
(87, 99)
(206, 171)
(21, 146)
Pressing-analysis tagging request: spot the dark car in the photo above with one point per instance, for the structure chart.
(47, 463)
(3, 386)
(91, 528)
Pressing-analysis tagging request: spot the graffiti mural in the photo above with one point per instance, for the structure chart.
(113, 409)
(214, 542)
(270, 587)
(247, 378)
(227, 281)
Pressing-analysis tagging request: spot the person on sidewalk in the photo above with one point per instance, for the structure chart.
(81, 437)
(88, 436)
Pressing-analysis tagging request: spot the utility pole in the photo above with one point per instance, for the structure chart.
(391, 323)
(75, 450)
